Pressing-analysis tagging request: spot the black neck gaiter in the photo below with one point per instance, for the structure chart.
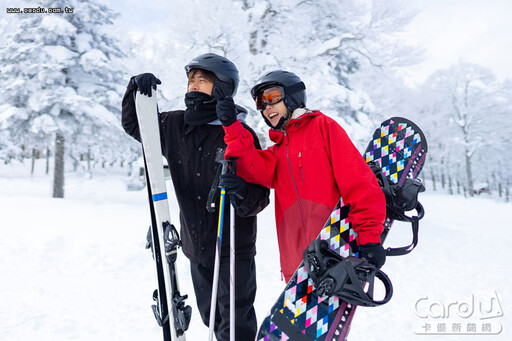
(201, 108)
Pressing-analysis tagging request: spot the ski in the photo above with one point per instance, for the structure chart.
(170, 310)
(396, 154)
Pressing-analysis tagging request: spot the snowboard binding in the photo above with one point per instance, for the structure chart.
(345, 278)
(399, 200)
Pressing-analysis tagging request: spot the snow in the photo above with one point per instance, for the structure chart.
(83, 42)
(57, 25)
(93, 60)
(44, 123)
(7, 111)
(99, 112)
(59, 54)
(76, 268)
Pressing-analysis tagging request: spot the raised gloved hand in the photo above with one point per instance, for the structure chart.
(222, 89)
(226, 111)
(234, 185)
(146, 81)
(374, 253)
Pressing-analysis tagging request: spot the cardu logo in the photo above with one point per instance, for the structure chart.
(476, 315)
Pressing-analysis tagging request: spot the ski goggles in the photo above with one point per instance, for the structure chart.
(271, 95)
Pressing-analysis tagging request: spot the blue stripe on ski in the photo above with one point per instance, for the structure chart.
(160, 196)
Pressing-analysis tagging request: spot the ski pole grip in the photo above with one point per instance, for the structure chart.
(219, 158)
(229, 165)
(232, 164)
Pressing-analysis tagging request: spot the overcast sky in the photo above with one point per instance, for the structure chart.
(479, 31)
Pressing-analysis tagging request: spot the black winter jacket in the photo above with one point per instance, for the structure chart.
(190, 152)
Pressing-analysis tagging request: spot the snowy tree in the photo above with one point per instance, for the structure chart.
(325, 42)
(62, 81)
(467, 106)
(502, 140)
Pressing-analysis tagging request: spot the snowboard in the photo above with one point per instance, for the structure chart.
(399, 147)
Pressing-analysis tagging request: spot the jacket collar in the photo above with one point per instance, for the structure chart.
(300, 117)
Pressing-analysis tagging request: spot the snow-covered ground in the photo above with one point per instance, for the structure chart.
(76, 268)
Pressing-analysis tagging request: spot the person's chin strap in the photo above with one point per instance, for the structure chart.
(282, 122)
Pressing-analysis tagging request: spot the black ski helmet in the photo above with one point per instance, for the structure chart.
(294, 88)
(222, 67)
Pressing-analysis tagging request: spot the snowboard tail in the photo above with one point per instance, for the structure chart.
(399, 149)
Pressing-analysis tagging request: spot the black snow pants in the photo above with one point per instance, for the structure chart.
(245, 292)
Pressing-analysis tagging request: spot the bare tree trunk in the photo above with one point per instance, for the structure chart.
(58, 175)
(33, 161)
(469, 174)
(443, 180)
(47, 160)
(494, 185)
(463, 118)
(433, 180)
(76, 163)
(89, 159)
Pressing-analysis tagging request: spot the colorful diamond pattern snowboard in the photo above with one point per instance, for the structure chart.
(299, 313)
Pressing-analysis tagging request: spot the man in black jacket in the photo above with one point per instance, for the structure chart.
(190, 140)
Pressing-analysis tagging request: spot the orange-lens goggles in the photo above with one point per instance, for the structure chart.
(272, 95)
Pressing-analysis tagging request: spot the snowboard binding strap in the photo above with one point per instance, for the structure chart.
(344, 277)
(399, 200)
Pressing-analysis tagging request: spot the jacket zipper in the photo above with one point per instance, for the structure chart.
(301, 167)
(294, 183)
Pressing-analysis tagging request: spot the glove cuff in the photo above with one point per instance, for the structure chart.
(227, 120)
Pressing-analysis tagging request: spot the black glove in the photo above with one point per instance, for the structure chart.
(221, 89)
(146, 81)
(374, 253)
(226, 111)
(234, 185)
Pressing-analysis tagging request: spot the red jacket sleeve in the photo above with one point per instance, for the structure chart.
(254, 165)
(357, 184)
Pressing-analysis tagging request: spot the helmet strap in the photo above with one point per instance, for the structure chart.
(282, 122)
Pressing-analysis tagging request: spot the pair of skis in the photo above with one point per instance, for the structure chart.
(170, 310)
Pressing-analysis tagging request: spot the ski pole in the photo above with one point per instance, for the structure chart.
(232, 169)
(218, 246)
(227, 166)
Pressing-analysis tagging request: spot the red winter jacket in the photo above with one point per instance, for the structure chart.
(310, 166)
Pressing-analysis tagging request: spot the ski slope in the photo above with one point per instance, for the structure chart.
(76, 268)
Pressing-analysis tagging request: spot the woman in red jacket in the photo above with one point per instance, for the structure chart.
(312, 163)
